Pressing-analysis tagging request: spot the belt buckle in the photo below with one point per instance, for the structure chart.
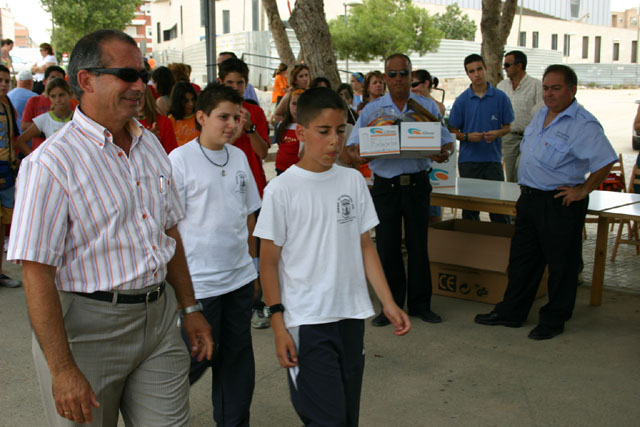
(150, 295)
(405, 180)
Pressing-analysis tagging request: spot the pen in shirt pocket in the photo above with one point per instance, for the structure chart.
(163, 186)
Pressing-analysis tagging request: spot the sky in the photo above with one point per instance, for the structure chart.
(30, 13)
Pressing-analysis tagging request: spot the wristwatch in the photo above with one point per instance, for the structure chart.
(271, 310)
(191, 309)
(251, 130)
(466, 137)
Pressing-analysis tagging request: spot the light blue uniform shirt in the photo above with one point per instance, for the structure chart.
(470, 113)
(384, 106)
(250, 93)
(571, 146)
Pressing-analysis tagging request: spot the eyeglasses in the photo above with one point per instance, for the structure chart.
(507, 65)
(416, 84)
(393, 73)
(129, 75)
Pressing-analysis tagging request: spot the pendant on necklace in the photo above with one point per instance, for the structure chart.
(223, 173)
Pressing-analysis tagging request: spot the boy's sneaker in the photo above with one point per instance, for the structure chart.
(258, 319)
(8, 282)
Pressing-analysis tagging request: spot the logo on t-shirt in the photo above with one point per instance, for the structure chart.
(345, 209)
(241, 182)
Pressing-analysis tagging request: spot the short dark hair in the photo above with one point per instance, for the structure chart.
(6, 42)
(57, 83)
(347, 87)
(233, 65)
(397, 55)
(474, 57)
(87, 53)
(313, 101)
(518, 58)
(316, 82)
(163, 80)
(53, 68)
(177, 98)
(212, 96)
(231, 54)
(570, 77)
(4, 69)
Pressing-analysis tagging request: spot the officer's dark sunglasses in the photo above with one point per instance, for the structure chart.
(129, 75)
(393, 73)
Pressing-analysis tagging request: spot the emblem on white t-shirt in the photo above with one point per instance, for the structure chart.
(345, 209)
(241, 182)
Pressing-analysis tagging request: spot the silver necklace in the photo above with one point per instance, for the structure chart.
(214, 163)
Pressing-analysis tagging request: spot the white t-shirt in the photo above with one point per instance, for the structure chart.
(50, 124)
(317, 219)
(47, 59)
(214, 229)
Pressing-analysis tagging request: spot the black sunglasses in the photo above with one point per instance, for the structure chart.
(393, 73)
(507, 65)
(416, 84)
(130, 75)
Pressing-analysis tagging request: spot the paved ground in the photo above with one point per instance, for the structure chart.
(452, 374)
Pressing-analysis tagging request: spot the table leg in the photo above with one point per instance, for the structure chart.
(600, 258)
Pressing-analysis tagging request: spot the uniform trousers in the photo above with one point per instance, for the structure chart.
(131, 354)
(404, 198)
(546, 234)
(491, 171)
(233, 366)
(511, 155)
(325, 386)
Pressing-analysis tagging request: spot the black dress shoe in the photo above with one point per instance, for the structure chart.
(431, 317)
(494, 319)
(545, 332)
(380, 320)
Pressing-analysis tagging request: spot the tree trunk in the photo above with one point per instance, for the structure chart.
(312, 30)
(497, 19)
(279, 33)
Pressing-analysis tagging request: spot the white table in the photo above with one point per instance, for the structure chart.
(500, 197)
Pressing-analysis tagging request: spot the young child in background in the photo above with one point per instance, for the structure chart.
(314, 225)
(288, 144)
(59, 92)
(181, 112)
(159, 125)
(219, 197)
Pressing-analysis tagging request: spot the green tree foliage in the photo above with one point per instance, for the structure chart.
(379, 28)
(76, 18)
(455, 25)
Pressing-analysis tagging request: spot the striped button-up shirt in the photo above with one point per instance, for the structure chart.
(95, 213)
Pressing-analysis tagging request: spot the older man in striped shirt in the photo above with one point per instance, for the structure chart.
(95, 230)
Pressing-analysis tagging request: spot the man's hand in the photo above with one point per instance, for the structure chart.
(440, 157)
(491, 135)
(199, 332)
(475, 136)
(571, 194)
(73, 395)
(398, 319)
(285, 349)
(246, 115)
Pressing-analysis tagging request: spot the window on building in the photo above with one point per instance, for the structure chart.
(158, 33)
(634, 52)
(255, 15)
(226, 22)
(566, 49)
(149, 32)
(554, 42)
(585, 47)
(596, 53)
(534, 39)
(170, 34)
(616, 51)
(575, 8)
(131, 30)
(523, 39)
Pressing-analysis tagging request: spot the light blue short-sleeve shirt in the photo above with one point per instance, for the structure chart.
(563, 153)
(470, 113)
(384, 106)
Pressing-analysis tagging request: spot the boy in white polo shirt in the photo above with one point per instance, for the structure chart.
(315, 252)
(219, 196)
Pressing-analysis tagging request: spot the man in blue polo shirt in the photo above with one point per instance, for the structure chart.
(562, 144)
(480, 116)
(401, 192)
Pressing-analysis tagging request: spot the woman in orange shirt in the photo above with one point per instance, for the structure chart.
(181, 112)
(280, 83)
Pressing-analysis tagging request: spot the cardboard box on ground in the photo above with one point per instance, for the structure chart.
(469, 260)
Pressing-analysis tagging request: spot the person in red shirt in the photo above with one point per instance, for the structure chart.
(252, 134)
(158, 124)
(288, 144)
(40, 104)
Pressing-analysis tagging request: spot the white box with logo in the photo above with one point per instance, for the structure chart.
(420, 139)
(379, 141)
